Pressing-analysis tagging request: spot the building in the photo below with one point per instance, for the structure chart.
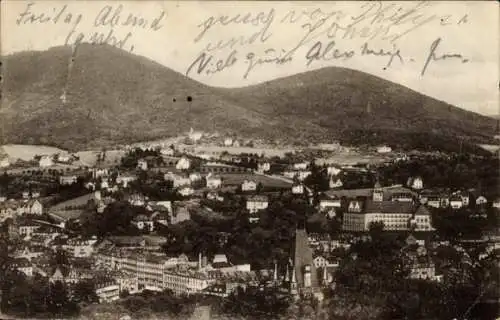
(4, 163)
(23, 265)
(45, 161)
(80, 248)
(303, 278)
(263, 167)
(228, 142)
(257, 203)
(396, 215)
(416, 183)
(183, 164)
(333, 171)
(384, 149)
(481, 200)
(301, 165)
(26, 229)
(213, 182)
(298, 188)
(185, 191)
(142, 164)
(248, 186)
(143, 222)
(456, 202)
(402, 196)
(67, 180)
(335, 183)
(328, 203)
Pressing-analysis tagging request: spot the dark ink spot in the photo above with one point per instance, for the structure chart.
(174, 100)
(384, 68)
(189, 98)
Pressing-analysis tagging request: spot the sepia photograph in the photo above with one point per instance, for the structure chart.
(250, 160)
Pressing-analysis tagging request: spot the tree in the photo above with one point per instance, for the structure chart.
(84, 291)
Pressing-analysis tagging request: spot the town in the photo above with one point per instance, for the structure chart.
(165, 227)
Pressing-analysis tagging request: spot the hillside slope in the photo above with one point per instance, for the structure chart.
(352, 105)
(115, 97)
(112, 96)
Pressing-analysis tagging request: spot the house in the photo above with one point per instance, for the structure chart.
(496, 203)
(333, 171)
(45, 161)
(421, 220)
(384, 149)
(125, 180)
(320, 262)
(298, 188)
(67, 180)
(80, 248)
(26, 194)
(402, 196)
(27, 229)
(177, 180)
(34, 207)
(213, 182)
(415, 183)
(183, 164)
(212, 195)
(326, 204)
(301, 165)
(142, 164)
(137, 199)
(64, 158)
(195, 136)
(456, 202)
(143, 222)
(228, 142)
(167, 151)
(185, 191)
(256, 203)
(4, 163)
(481, 200)
(195, 176)
(433, 201)
(23, 265)
(248, 185)
(335, 183)
(263, 167)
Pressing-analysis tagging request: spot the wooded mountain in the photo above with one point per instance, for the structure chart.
(116, 97)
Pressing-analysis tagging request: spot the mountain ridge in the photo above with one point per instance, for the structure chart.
(318, 105)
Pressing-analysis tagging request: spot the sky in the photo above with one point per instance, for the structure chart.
(447, 50)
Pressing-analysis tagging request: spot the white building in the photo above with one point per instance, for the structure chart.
(186, 191)
(249, 185)
(67, 180)
(384, 149)
(335, 183)
(256, 203)
(298, 189)
(301, 165)
(333, 171)
(45, 161)
(481, 200)
(263, 167)
(183, 164)
(228, 142)
(4, 163)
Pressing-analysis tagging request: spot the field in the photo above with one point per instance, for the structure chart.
(237, 179)
(27, 152)
(89, 158)
(72, 202)
(352, 158)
